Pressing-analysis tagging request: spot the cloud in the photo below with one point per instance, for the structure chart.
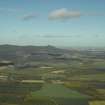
(8, 10)
(63, 14)
(94, 14)
(29, 16)
(61, 36)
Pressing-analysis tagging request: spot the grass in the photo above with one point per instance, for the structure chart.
(97, 103)
(73, 84)
(58, 91)
(99, 77)
(101, 90)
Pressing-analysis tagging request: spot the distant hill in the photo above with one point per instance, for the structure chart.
(13, 52)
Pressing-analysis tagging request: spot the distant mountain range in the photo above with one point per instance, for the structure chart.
(23, 53)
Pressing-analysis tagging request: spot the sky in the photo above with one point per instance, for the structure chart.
(53, 22)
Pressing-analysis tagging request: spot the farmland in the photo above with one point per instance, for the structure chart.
(21, 79)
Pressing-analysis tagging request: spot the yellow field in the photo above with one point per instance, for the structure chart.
(97, 103)
(32, 81)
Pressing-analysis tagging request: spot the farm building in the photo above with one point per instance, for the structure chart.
(55, 94)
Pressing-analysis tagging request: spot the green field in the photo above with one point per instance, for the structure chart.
(57, 94)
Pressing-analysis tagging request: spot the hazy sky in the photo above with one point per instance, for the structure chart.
(53, 22)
